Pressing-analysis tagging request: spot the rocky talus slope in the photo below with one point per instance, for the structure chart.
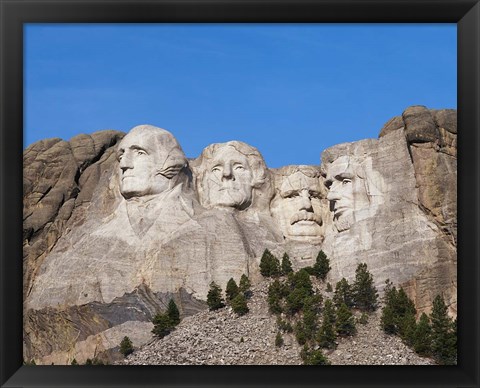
(223, 338)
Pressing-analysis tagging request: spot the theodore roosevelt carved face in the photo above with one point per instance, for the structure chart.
(149, 161)
(297, 203)
(228, 174)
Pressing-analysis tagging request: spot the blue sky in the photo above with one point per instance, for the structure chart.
(291, 90)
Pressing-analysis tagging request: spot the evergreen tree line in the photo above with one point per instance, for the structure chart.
(294, 299)
(236, 296)
(434, 335)
(270, 266)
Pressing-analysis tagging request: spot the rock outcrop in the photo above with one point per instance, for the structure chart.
(115, 225)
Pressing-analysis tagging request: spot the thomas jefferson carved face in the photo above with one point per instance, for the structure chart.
(149, 157)
(297, 204)
(229, 179)
(232, 175)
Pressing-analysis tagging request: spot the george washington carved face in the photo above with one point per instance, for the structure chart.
(149, 157)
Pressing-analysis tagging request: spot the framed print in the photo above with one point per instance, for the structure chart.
(265, 237)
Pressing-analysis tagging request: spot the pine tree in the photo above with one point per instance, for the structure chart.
(300, 287)
(173, 313)
(244, 286)
(275, 295)
(343, 293)
(321, 266)
(444, 336)
(126, 347)
(231, 291)
(239, 304)
(389, 315)
(422, 341)
(364, 292)
(300, 333)
(162, 325)
(313, 357)
(388, 320)
(286, 264)
(214, 297)
(311, 307)
(329, 287)
(269, 264)
(345, 323)
(326, 335)
(74, 362)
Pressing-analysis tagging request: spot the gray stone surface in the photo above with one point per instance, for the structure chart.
(115, 225)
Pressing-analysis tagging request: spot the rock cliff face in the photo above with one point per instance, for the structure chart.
(115, 225)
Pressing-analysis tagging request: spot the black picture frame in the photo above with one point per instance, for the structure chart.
(14, 13)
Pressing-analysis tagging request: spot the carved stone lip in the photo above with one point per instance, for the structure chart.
(340, 210)
(305, 218)
(227, 188)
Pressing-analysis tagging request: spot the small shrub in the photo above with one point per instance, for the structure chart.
(313, 357)
(126, 346)
(214, 297)
(278, 340)
(422, 342)
(269, 264)
(173, 313)
(244, 286)
(239, 304)
(286, 266)
(345, 323)
(162, 325)
(321, 266)
(231, 290)
(363, 320)
(343, 293)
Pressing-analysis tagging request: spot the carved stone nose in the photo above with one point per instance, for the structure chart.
(306, 203)
(227, 173)
(125, 163)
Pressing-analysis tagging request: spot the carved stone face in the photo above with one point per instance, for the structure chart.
(142, 155)
(297, 206)
(340, 182)
(228, 180)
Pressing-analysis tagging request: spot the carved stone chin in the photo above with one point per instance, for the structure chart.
(344, 222)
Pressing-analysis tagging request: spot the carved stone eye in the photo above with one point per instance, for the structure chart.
(239, 167)
(346, 181)
(216, 169)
